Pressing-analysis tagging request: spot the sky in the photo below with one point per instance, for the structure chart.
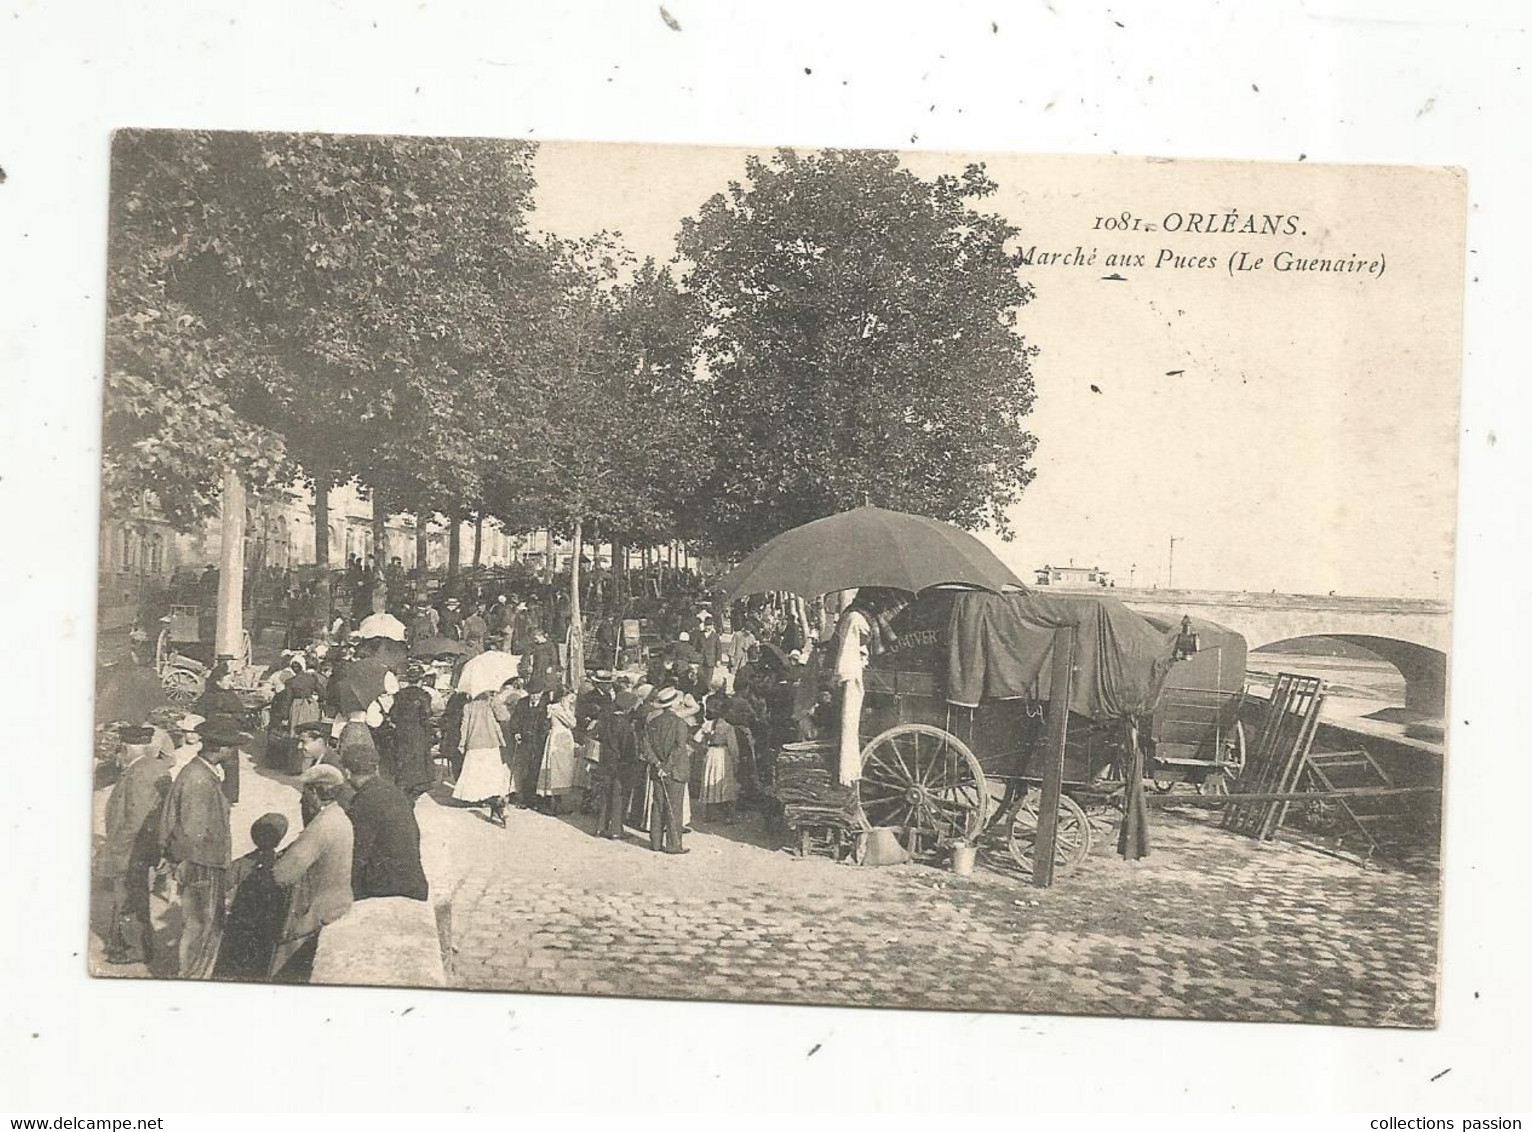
(1291, 430)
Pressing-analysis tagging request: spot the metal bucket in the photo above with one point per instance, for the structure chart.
(963, 858)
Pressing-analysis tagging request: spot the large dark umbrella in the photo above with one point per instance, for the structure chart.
(362, 682)
(127, 694)
(869, 547)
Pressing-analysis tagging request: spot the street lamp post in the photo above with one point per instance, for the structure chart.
(1170, 573)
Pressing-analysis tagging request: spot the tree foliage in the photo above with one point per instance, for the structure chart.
(862, 346)
(357, 293)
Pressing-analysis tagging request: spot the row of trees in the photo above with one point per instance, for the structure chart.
(834, 330)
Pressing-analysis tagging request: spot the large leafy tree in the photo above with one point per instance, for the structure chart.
(348, 281)
(609, 430)
(862, 346)
(168, 428)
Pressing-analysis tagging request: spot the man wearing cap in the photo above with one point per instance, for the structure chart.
(194, 837)
(386, 838)
(668, 751)
(132, 844)
(451, 619)
(317, 869)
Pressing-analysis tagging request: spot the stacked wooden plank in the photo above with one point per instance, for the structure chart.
(816, 809)
(1276, 764)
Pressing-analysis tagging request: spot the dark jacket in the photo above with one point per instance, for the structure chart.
(542, 658)
(619, 741)
(386, 857)
(132, 814)
(668, 745)
(194, 825)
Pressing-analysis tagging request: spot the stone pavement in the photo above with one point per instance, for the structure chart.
(1211, 925)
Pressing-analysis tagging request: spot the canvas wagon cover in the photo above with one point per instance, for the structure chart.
(1000, 647)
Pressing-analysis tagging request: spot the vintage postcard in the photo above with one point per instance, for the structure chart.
(950, 581)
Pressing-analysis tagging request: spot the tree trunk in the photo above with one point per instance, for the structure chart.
(549, 563)
(322, 477)
(619, 572)
(478, 538)
(422, 544)
(379, 530)
(576, 629)
(322, 518)
(454, 545)
(230, 633)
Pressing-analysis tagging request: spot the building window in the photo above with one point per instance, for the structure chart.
(156, 555)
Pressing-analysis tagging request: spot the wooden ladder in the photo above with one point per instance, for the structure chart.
(1277, 761)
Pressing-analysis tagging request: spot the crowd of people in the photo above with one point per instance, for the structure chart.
(674, 714)
(257, 918)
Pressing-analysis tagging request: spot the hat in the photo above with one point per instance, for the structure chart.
(704, 615)
(322, 774)
(521, 607)
(683, 636)
(688, 706)
(601, 676)
(189, 722)
(315, 728)
(667, 699)
(360, 759)
(797, 657)
(643, 691)
(268, 830)
(220, 731)
(135, 735)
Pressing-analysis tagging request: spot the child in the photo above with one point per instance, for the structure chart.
(257, 908)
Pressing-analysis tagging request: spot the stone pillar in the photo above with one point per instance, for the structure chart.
(230, 641)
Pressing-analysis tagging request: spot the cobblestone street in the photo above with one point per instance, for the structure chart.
(1209, 926)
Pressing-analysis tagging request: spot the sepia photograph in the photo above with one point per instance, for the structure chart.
(937, 580)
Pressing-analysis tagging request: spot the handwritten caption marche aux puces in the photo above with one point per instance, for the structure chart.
(1235, 261)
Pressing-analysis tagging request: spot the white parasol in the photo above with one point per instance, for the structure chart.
(487, 672)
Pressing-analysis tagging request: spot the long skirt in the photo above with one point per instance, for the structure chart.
(560, 763)
(484, 776)
(303, 711)
(720, 777)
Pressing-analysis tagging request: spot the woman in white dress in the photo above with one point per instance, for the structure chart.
(485, 779)
(556, 779)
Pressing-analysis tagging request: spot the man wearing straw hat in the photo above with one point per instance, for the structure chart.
(667, 749)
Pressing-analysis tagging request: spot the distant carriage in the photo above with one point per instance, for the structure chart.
(184, 651)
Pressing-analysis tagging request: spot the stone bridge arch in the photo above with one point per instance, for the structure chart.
(1411, 634)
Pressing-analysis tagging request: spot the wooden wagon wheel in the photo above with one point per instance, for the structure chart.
(923, 779)
(1071, 844)
(1232, 765)
(182, 686)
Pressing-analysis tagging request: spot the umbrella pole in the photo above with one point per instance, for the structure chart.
(1053, 757)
